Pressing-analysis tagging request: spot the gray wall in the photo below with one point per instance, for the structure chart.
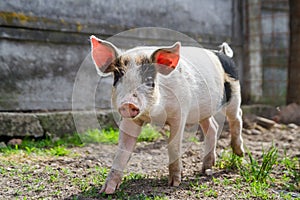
(275, 40)
(44, 43)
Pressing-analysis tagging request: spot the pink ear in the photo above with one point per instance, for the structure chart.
(167, 58)
(103, 53)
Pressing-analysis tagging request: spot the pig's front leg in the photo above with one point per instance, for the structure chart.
(174, 151)
(129, 131)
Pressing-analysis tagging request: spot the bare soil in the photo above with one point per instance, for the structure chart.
(149, 159)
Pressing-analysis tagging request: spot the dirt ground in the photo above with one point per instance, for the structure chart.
(150, 159)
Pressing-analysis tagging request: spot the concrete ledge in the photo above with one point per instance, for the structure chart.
(57, 123)
(20, 124)
(68, 122)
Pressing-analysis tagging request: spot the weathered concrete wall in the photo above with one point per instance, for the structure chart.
(43, 43)
(64, 122)
(56, 123)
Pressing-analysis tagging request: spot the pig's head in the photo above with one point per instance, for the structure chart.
(135, 86)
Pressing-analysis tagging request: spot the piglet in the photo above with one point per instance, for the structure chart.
(172, 85)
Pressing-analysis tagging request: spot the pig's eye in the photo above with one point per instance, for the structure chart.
(149, 82)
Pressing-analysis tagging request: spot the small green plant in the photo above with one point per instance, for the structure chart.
(194, 139)
(259, 190)
(254, 171)
(30, 149)
(111, 136)
(38, 145)
(291, 173)
(133, 176)
(148, 134)
(229, 161)
(107, 136)
(211, 193)
(59, 151)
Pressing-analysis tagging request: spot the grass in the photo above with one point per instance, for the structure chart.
(203, 189)
(58, 146)
(254, 178)
(257, 175)
(149, 134)
(256, 172)
(110, 136)
(290, 174)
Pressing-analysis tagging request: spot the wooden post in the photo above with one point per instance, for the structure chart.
(293, 91)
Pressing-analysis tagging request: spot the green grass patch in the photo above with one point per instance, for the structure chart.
(59, 151)
(111, 136)
(260, 176)
(229, 161)
(51, 146)
(149, 134)
(58, 146)
(106, 136)
(260, 172)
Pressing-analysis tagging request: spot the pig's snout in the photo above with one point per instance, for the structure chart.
(129, 110)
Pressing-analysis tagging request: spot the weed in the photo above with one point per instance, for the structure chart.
(259, 190)
(256, 172)
(133, 176)
(59, 151)
(291, 173)
(57, 146)
(110, 136)
(30, 149)
(107, 136)
(194, 139)
(148, 134)
(211, 193)
(226, 181)
(229, 161)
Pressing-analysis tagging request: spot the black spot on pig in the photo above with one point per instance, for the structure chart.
(228, 65)
(142, 60)
(227, 92)
(120, 67)
(147, 70)
(148, 74)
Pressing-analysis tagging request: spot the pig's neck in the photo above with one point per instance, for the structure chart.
(164, 103)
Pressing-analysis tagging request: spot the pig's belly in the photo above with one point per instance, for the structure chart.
(198, 113)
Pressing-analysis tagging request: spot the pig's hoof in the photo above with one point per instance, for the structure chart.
(109, 188)
(174, 180)
(208, 172)
(238, 150)
(208, 162)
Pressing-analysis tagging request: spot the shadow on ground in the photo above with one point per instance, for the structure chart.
(144, 188)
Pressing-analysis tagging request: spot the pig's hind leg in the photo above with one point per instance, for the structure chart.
(210, 128)
(234, 117)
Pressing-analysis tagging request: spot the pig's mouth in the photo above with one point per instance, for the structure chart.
(129, 110)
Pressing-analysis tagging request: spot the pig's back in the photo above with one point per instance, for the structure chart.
(197, 84)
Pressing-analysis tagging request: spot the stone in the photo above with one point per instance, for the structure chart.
(14, 142)
(57, 123)
(247, 131)
(264, 122)
(20, 124)
(2, 145)
(292, 126)
(255, 132)
(288, 114)
(209, 172)
(54, 124)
